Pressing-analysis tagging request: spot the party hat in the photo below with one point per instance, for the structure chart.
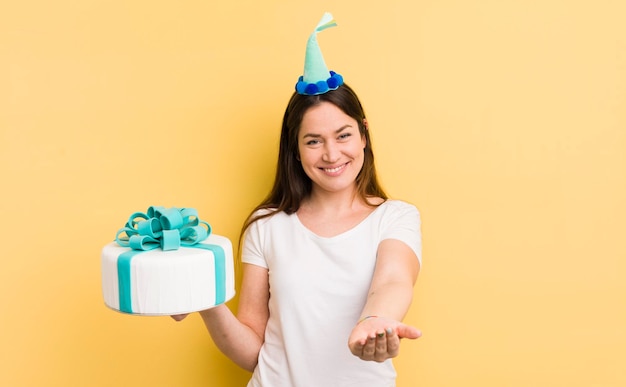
(317, 79)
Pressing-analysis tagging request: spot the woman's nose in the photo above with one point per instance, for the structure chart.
(331, 152)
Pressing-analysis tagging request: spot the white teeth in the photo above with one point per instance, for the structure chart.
(333, 170)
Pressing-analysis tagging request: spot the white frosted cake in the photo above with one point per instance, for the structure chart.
(165, 264)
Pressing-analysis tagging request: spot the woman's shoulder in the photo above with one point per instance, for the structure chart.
(268, 212)
(392, 211)
(264, 212)
(266, 215)
(398, 205)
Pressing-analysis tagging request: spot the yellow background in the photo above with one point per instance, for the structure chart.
(503, 121)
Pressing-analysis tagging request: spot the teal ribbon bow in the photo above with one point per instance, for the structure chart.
(168, 229)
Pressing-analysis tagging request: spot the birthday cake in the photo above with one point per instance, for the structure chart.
(166, 262)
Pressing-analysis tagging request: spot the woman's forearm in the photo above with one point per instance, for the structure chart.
(236, 340)
(391, 291)
(390, 300)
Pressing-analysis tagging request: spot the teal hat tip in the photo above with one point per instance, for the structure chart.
(317, 79)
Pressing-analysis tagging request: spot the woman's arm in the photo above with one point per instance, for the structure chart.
(240, 338)
(378, 333)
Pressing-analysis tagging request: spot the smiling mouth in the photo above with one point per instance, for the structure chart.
(334, 170)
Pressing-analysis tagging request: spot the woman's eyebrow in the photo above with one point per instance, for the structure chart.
(336, 131)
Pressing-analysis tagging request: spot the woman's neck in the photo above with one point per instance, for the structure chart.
(333, 201)
(330, 214)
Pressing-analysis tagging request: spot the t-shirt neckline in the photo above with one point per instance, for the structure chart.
(341, 235)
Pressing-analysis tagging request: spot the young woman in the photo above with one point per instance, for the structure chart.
(329, 262)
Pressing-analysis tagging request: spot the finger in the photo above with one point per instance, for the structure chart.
(381, 347)
(393, 343)
(179, 317)
(356, 347)
(381, 342)
(369, 349)
(408, 332)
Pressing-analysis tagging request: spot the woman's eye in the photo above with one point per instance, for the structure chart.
(312, 142)
(343, 136)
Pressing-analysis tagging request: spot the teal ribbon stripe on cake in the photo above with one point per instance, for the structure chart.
(167, 229)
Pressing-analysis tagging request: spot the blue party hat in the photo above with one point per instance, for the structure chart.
(317, 79)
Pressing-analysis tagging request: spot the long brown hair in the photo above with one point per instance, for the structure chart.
(291, 184)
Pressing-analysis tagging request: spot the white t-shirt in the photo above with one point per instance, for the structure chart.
(318, 288)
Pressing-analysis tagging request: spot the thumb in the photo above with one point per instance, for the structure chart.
(408, 332)
(179, 317)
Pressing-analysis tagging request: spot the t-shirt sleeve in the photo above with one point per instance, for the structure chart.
(404, 224)
(252, 249)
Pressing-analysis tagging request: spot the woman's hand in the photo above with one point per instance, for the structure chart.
(378, 339)
(179, 317)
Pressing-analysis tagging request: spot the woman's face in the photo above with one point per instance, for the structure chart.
(330, 148)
